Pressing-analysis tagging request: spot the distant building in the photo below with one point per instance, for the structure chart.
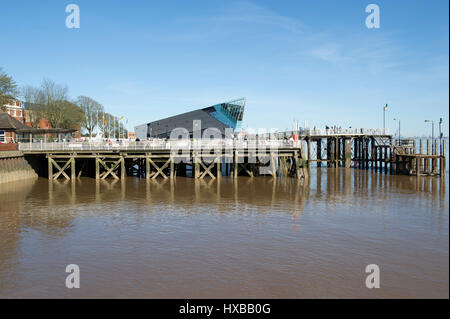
(131, 135)
(8, 127)
(28, 112)
(15, 108)
(220, 116)
(43, 123)
(21, 112)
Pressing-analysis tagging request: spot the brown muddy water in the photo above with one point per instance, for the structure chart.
(254, 238)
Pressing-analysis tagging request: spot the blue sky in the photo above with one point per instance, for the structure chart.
(308, 60)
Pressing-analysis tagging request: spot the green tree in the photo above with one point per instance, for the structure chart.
(8, 88)
(74, 116)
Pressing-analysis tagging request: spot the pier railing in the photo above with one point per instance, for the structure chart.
(125, 145)
(348, 131)
(332, 131)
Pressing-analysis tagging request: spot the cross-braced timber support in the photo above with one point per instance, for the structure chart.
(203, 169)
(111, 166)
(152, 170)
(67, 163)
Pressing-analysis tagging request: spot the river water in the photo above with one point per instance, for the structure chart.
(250, 238)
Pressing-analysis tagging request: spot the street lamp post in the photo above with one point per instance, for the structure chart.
(399, 136)
(384, 118)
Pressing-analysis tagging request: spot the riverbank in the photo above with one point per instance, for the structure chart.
(14, 167)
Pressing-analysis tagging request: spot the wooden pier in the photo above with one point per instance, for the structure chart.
(164, 164)
(275, 158)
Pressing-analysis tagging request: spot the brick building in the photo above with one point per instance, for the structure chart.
(15, 108)
(20, 111)
(8, 127)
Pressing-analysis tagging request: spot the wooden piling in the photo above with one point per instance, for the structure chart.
(435, 160)
(50, 167)
(319, 152)
(308, 146)
(147, 166)
(442, 160)
(348, 152)
(235, 166)
(72, 168)
(97, 168)
(122, 168)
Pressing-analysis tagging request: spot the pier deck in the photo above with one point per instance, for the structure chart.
(362, 149)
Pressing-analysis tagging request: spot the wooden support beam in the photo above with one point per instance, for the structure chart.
(159, 170)
(50, 168)
(147, 167)
(235, 165)
(434, 160)
(109, 170)
(97, 168)
(319, 152)
(442, 166)
(219, 169)
(273, 165)
(172, 168)
(122, 168)
(61, 170)
(308, 145)
(297, 166)
(72, 168)
(418, 166)
(207, 169)
(348, 152)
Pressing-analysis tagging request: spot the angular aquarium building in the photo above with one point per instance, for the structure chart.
(220, 116)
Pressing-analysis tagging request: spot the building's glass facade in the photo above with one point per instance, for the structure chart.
(220, 116)
(230, 113)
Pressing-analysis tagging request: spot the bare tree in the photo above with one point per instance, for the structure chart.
(92, 111)
(106, 124)
(53, 98)
(34, 109)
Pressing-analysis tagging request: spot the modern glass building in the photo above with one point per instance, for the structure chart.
(220, 116)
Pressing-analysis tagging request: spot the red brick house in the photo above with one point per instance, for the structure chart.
(8, 127)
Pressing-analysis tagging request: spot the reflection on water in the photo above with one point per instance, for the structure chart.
(254, 237)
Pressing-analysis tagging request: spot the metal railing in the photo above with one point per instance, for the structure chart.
(332, 131)
(347, 131)
(159, 145)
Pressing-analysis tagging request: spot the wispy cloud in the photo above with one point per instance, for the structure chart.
(232, 18)
(248, 13)
(328, 52)
(374, 54)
